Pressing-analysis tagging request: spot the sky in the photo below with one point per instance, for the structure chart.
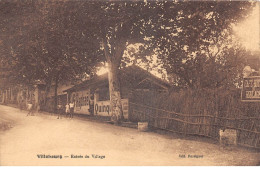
(248, 30)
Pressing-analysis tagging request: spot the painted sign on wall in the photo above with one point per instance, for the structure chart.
(251, 89)
(102, 108)
(81, 101)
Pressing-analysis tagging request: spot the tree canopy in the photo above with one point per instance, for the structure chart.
(201, 50)
(63, 39)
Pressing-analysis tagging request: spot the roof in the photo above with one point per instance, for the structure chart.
(89, 83)
(131, 76)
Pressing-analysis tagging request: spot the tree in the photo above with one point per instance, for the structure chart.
(176, 29)
(67, 52)
(179, 29)
(115, 25)
(42, 43)
(201, 51)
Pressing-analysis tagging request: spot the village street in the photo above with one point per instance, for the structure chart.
(44, 134)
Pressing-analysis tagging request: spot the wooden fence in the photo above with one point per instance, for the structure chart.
(201, 124)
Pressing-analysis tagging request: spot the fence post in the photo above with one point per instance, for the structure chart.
(204, 122)
(253, 138)
(256, 139)
(216, 124)
(166, 121)
(186, 118)
(155, 119)
(248, 133)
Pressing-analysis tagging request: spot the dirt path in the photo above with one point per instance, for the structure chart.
(111, 145)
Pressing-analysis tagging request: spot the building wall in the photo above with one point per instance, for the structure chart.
(101, 102)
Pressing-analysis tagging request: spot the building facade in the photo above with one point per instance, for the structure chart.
(91, 97)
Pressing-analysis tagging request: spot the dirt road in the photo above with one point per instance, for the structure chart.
(93, 143)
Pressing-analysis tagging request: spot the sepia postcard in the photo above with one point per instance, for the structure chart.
(129, 83)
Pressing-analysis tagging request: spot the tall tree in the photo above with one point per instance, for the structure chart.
(41, 42)
(178, 30)
(201, 50)
(115, 25)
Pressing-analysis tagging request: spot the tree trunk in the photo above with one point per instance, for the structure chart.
(56, 94)
(115, 95)
(114, 57)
